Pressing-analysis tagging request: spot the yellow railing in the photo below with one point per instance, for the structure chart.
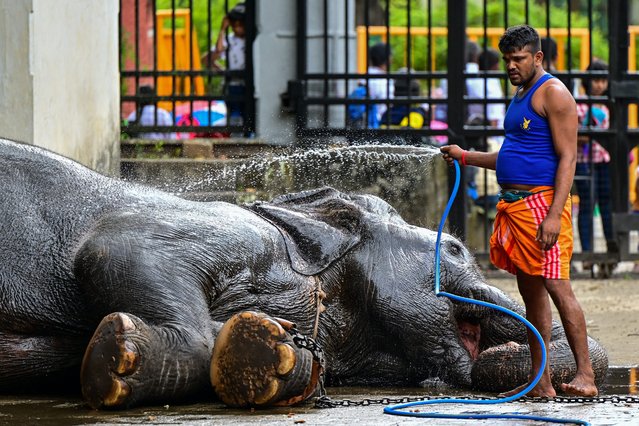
(474, 33)
(493, 34)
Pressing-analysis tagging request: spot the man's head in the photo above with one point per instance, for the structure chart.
(521, 50)
(472, 52)
(489, 60)
(145, 91)
(520, 37)
(379, 55)
(549, 48)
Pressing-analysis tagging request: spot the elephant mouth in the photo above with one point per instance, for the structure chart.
(469, 332)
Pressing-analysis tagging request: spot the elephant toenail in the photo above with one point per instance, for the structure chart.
(268, 394)
(128, 358)
(273, 327)
(118, 393)
(285, 323)
(287, 359)
(127, 323)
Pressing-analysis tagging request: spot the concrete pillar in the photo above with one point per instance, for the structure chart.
(275, 60)
(59, 78)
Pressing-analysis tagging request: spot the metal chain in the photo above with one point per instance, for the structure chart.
(326, 402)
(305, 342)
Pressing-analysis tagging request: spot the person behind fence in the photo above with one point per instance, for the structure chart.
(486, 191)
(148, 114)
(361, 116)
(232, 47)
(551, 55)
(474, 85)
(593, 162)
(412, 115)
(532, 235)
(549, 49)
(495, 112)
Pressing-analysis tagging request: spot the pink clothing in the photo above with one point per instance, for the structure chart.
(599, 121)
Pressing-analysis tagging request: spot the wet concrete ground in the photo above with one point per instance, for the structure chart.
(610, 306)
(615, 410)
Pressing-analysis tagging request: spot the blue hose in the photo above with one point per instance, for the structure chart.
(395, 409)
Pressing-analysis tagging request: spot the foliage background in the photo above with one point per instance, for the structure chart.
(493, 13)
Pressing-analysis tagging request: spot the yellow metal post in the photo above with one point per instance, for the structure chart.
(185, 58)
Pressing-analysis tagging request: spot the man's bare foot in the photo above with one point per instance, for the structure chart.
(539, 391)
(581, 385)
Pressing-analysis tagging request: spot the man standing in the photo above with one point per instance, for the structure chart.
(532, 236)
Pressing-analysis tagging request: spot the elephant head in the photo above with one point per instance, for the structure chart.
(383, 323)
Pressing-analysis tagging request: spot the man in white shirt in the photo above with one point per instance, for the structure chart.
(151, 115)
(380, 88)
(475, 85)
(489, 61)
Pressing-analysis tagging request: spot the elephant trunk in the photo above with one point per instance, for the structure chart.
(502, 368)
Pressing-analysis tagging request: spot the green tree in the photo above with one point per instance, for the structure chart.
(495, 15)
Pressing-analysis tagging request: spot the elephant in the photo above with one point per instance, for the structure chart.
(135, 296)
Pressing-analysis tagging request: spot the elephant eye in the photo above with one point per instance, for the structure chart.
(455, 249)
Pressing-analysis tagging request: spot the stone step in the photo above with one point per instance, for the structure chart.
(194, 148)
(189, 175)
(205, 166)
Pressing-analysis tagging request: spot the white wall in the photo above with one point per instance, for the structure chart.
(275, 53)
(60, 71)
(16, 82)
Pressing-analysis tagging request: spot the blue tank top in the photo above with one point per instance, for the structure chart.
(527, 156)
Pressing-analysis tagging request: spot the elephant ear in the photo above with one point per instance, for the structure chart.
(318, 226)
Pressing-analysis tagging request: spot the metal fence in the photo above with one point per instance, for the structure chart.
(431, 48)
(170, 64)
(427, 70)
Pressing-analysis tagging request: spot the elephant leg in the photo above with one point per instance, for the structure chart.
(43, 361)
(129, 361)
(256, 363)
(155, 333)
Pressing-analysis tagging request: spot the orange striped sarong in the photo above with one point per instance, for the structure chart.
(513, 245)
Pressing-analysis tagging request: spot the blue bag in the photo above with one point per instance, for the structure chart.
(357, 112)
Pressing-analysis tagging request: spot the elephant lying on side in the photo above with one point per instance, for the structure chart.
(128, 289)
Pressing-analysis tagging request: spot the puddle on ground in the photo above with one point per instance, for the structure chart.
(71, 410)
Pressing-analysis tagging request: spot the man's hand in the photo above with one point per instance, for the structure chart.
(548, 232)
(451, 152)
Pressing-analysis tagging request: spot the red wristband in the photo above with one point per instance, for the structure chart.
(463, 158)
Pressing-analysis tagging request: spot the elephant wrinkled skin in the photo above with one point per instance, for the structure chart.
(127, 288)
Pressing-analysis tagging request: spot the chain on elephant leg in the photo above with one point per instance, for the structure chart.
(256, 363)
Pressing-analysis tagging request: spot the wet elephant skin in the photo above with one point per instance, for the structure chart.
(139, 282)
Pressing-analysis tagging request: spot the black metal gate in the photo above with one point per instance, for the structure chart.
(168, 62)
(428, 42)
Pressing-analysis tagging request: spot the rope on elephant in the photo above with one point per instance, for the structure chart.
(396, 409)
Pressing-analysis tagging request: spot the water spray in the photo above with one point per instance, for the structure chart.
(396, 409)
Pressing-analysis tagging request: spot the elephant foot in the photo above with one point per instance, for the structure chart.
(110, 357)
(255, 363)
